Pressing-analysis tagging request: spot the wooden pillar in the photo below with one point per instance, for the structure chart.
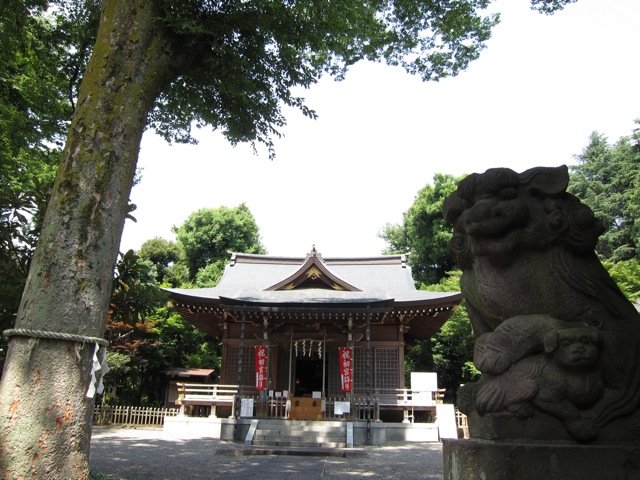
(352, 345)
(401, 381)
(225, 352)
(241, 352)
(290, 360)
(264, 394)
(238, 399)
(370, 373)
(323, 349)
(402, 329)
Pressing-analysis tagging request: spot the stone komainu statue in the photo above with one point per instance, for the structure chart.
(557, 343)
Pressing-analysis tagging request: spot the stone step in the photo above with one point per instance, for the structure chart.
(303, 434)
(300, 438)
(268, 423)
(297, 443)
(297, 432)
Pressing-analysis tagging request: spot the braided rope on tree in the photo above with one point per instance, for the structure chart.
(95, 384)
(68, 337)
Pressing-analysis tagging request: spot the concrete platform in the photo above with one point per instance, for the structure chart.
(373, 433)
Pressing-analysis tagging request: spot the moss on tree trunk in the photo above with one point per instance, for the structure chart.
(44, 415)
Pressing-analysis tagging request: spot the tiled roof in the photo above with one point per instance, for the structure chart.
(248, 278)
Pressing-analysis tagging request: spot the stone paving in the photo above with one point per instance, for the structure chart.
(150, 454)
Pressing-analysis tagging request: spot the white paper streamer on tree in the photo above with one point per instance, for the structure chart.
(310, 347)
(296, 346)
(304, 347)
(98, 370)
(320, 349)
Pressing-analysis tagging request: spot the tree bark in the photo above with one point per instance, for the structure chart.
(45, 417)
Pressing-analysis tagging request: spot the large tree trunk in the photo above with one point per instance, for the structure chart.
(45, 417)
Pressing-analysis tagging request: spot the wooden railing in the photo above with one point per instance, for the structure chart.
(410, 402)
(360, 408)
(202, 400)
(408, 397)
(131, 416)
(462, 423)
(210, 395)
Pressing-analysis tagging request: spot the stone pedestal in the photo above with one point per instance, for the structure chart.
(485, 460)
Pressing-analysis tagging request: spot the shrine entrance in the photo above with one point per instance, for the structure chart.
(308, 377)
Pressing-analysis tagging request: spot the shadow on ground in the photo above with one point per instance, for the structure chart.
(149, 454)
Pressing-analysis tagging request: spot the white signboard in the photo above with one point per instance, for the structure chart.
(446, 417)
(424, 381)
(341, 408)
(423, 399)
(246, 407)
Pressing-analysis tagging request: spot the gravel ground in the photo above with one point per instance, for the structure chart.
(150, 454)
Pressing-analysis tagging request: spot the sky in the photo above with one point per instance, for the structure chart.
(533, 98)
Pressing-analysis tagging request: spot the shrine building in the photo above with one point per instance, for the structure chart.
(304, 314)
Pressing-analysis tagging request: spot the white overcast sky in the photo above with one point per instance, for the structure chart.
(539, 89)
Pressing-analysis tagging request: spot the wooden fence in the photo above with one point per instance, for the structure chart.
(132, 416)
(462, 423)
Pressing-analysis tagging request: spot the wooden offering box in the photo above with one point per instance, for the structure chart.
(306, 408)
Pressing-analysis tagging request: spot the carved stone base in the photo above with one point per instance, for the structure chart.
(483, 460)
(543, 428)
(500, 426)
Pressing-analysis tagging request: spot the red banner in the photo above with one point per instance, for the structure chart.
(261, 367)
(346, 368)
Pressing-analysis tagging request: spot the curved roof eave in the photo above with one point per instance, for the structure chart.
(341, 299)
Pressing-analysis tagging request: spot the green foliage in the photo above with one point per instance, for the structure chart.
(164, 254)
(607, 178)
(549, 6)
(424, 233)
(208, 235)
(627, 275)
(183, 345)
(178, 276)
(452, 350)
(146, 337)
(135, 294)
(138, 358)
(210, 275)
(449, 352)
(42, 52)
(253, 53)
(418, 359)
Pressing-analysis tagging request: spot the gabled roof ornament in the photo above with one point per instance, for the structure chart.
(313, 273)
(314, 253)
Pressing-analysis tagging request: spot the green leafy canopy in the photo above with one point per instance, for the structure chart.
(254, 54)
(607, 178)
(208, 235)
(424, 233)
(43, 52)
